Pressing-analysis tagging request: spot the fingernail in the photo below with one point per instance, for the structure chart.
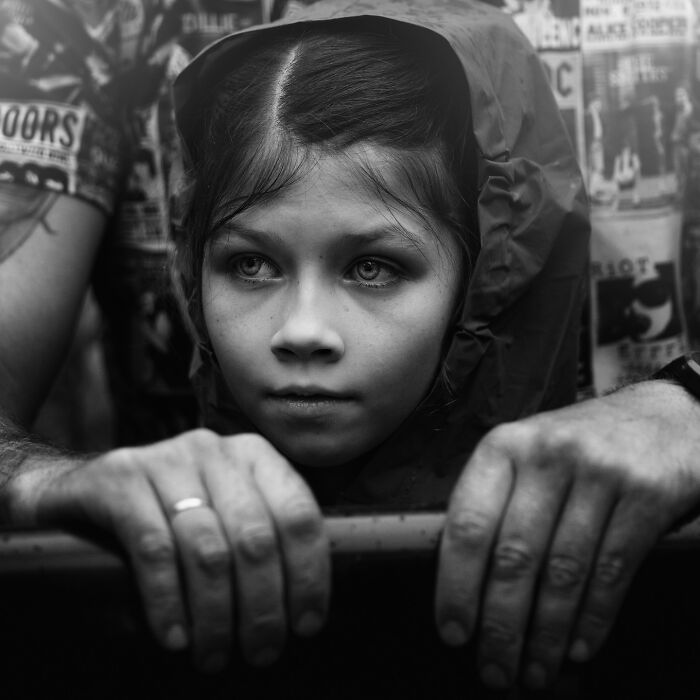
(309, 623)
(214, 663)
(265, 657)
(453, 634)
(176, 638)
(579, 651)
(536, 676)
(494, 677)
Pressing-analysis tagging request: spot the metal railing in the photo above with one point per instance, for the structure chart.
(378, 536)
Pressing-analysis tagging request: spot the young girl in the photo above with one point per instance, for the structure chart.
(454, 198)
(382, 250)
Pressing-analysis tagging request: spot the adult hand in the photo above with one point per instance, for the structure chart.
(254, 557)
(551, 518)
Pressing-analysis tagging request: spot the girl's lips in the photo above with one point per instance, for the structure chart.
(310, 405)
(310, 391)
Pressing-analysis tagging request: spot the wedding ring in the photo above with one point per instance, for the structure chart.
(189, 503)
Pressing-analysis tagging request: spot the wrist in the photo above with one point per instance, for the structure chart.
(21, 495)
(684, 371)
(27, 466)
(23, 489)
(675, 410)
(660, 398)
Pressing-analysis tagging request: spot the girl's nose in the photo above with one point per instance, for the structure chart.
(307, 336)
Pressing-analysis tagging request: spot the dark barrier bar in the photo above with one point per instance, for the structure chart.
(375, 536)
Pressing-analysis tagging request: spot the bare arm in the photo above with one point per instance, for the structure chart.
(48, 244)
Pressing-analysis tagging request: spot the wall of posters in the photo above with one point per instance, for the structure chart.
(625, 75)
(638, 81)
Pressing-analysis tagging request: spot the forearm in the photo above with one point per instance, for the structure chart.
(48, 243)
(27, 465)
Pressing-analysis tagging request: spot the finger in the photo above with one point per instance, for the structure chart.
(252, 539)
(564, 578)
(147, 537)
(473, 518)
(305, 546)
(202, 547)
(115, 492)
(207, 568)
(624, 546)
(530, 519)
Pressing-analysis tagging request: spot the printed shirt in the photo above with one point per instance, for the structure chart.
(85, 110)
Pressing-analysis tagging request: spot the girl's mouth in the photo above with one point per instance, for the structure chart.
(309, 404)
(313, 400)
(308, 391)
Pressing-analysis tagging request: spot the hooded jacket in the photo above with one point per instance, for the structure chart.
(514, 351)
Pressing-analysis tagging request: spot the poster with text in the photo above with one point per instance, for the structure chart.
(639, 116)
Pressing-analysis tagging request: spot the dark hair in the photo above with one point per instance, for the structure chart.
(321, 89)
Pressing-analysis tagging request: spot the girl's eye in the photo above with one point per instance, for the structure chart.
(253, 267)
(368, 270)
(374, 273)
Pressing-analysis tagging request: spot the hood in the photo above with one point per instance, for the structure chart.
(514, 351)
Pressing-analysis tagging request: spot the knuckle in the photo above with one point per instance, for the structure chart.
(301, 521)
(565, 572)
(595, 623)
(125, 461)
(203, 435)
(256, 543)
(458, 604)
(200, 440)
(546, 641)
(503, 435)
(469, 529)
(211, 557)
(513, 559)
(154, 549)
(308, 580)
(163, 601)
(265, 623)
(244, 450)
(495, 634)
(556, 446)
(250, 442)
(611, 570)
(551, 442)
(559, 436)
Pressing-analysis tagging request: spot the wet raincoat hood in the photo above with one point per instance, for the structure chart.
(514, 351)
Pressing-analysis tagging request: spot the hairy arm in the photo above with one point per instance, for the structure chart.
(26, 464)
(48, 244)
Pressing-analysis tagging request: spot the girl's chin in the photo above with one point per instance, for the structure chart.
(313, 459)
(320, 456)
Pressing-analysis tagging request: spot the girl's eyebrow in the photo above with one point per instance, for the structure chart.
(389, 232)
(250, 234)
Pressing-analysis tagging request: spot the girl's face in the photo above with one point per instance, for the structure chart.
(327, 309)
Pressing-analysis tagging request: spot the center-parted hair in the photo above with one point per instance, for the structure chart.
(312, 91)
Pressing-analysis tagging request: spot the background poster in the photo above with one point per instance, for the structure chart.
(624, 73)
(638, 82)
